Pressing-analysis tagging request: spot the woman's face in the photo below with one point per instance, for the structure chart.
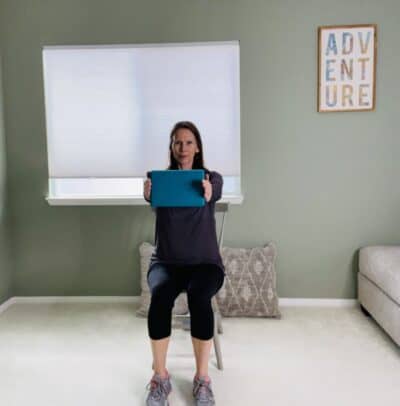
(184, 148)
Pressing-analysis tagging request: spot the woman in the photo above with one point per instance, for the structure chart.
(186, 257)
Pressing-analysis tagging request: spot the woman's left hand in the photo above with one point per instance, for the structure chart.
(207, 188)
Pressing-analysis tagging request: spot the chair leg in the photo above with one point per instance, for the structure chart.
(219, 323)
(186, 323)
(218, 314)
(217, 346)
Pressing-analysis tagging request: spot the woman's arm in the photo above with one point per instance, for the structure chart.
(217, 183)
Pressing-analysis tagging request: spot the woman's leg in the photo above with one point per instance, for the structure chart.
(164, 287)
(202, 349)
(204, 283)
(159, 349)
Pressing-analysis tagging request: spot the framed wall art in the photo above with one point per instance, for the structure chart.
(346, 67)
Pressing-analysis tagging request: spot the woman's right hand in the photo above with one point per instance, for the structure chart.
(147, 188)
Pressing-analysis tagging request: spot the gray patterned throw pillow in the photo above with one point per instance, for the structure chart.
(180, 307)
(249, 288)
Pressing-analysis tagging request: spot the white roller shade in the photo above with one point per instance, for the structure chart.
(110, 109)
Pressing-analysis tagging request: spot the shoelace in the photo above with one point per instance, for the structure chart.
(157, 389)
(202, 391)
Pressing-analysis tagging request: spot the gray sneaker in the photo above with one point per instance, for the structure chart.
(159, 390)
(202, 392)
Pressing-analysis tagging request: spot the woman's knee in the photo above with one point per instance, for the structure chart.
(161, 283)
(200, 301)
(161, 288)
(201, 294)
(164, 295)
(202, 318)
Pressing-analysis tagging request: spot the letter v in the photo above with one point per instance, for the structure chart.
(364, 46)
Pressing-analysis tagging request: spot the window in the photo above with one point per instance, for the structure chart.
(110, 109)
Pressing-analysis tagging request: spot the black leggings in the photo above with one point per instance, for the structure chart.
(201, 283)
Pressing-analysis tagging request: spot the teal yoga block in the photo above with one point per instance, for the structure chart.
(177, 188)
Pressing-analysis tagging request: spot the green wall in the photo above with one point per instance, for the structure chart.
(320, 185)
(5, 243)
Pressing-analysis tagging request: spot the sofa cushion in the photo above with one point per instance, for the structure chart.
(381, 265)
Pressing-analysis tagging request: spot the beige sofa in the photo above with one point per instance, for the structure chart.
(379, 286)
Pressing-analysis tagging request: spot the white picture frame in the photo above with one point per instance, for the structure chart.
(347, 67)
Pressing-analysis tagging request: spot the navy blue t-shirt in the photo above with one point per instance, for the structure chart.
(187, 235)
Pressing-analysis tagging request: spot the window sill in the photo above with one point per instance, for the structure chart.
(118, 200)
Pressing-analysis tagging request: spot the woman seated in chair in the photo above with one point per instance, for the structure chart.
(186, 257)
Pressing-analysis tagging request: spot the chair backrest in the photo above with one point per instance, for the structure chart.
(221, 208)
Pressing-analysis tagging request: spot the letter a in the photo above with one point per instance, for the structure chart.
(331, 46)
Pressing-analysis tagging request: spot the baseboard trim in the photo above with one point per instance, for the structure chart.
(321, 302)
(75, 299)
(4, 306)
(68, 299)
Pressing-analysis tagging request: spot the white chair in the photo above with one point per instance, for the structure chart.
(185, 318)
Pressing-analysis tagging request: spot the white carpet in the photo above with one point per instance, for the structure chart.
(88, 354)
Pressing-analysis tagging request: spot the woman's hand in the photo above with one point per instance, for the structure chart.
(207, 188)
(147, 188)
